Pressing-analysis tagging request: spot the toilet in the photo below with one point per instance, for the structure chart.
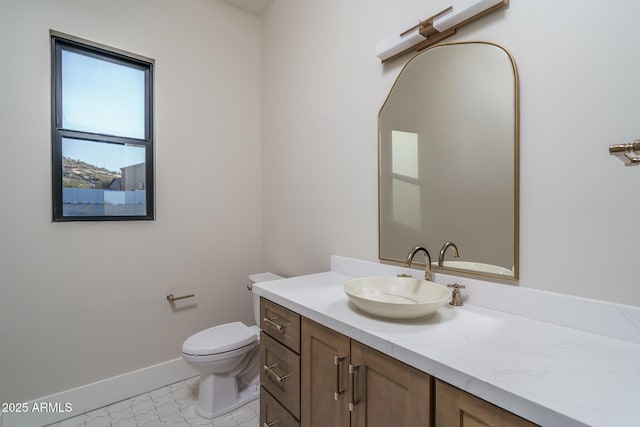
(227, 358)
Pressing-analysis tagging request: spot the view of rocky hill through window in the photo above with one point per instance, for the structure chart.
(78, 174)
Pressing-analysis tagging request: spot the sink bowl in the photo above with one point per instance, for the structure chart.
(396, 297)
(477, 266)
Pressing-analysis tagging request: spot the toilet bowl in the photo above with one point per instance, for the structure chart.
(227, 358)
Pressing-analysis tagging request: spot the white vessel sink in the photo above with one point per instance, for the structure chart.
(396, 297)
(477, 266)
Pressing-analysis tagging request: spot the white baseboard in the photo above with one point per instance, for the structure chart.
(86, 398)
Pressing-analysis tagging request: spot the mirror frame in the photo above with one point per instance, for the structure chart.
(516, 178)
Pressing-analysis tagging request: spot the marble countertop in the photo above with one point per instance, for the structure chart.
(549, 374)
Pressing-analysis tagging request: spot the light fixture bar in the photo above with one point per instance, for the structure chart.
(464, 13)
(399, 43)
(436, 28)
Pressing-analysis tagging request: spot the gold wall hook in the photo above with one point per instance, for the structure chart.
(628, 153)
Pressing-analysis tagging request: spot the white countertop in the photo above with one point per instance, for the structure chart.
(551, 375)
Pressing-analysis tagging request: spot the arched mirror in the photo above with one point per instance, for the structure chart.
(448, 165)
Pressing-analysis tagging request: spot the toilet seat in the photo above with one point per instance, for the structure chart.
(219, 339)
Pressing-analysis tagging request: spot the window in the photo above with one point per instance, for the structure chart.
(102, 133)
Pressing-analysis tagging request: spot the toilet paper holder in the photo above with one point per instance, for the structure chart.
(171, 298)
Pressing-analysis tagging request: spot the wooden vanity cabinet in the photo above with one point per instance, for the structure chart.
(313, 376)
(457, 408)
(345, 383)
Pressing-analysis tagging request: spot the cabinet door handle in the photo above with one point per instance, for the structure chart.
(270, 423)
(352, 384)
(278, 326)
(336, 361)
(272, 374)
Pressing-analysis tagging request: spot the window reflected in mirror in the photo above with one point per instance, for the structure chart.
(406, 181)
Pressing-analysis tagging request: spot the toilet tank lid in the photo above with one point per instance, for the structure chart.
(264, 277)
(219, 339)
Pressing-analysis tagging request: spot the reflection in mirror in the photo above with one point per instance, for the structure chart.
(449, 160)
(406, 182)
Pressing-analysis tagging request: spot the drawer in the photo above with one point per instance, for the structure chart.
(272, 413)
(280, 323)
(280, 373)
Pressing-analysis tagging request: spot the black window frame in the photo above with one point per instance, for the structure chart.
(58, 43)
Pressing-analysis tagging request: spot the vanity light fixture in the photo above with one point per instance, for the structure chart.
(628, 153)
(435, 28)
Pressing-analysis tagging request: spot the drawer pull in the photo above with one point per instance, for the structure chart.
(270, 423)
(352, 384)
(336, 361)
(278, 326)
(272, 374)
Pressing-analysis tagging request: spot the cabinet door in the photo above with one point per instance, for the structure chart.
(457, 408)
(325, 360)
(387, 391)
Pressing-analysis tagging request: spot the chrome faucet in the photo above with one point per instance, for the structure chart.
(443, 251)
(427, 260)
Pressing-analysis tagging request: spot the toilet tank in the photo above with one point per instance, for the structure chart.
(256, 278)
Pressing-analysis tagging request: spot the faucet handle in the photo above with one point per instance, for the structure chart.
(456, 298)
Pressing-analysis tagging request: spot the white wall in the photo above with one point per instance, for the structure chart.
(80, 302)
(579, 89)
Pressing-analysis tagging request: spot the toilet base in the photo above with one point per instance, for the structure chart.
(211, 405)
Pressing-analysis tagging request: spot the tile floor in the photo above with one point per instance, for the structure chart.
(170, 406)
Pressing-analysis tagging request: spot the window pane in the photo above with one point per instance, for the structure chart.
(102, 97)
(102, 179)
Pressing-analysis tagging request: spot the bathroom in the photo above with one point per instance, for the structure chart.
(266, 160)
